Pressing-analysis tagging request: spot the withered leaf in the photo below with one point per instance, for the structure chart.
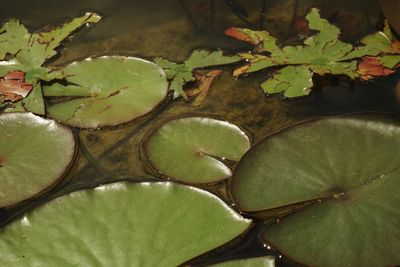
(13, 86)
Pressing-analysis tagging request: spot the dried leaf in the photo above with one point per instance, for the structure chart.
(203, 84)
(371, 67)
(13, 86)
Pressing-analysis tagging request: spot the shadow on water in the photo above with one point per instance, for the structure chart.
(172, 29)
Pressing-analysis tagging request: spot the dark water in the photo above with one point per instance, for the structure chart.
(172, 29)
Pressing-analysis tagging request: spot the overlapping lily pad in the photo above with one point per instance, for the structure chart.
(160, 224)
(34, 153)
(351, 164)
(193, 149)
(107, 91)
(267, 261)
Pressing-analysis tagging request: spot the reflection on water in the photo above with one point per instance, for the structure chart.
(172, 29)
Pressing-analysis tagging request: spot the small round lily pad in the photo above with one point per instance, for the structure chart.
(351, 165)
(34, 154)
(107, 91)
(193, 149)
(121, 224)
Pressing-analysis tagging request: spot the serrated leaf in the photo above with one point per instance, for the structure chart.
(13, 36)
(54, 37)
(180, 74)
(291, 80)
(322, 53)
(29, 51)
(202, 58)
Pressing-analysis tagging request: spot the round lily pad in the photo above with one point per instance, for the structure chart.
(121, 224)
(107, 91)
(34, 154)
(193, 149)
(351, 165)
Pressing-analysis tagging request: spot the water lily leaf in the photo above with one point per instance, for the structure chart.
(160, 224)
(193, 149)
(27, 52)
(350, 165)
(250, 262)
(114, 89)
(179, 74)
(34, 153)
(291, 80)
(322, 53)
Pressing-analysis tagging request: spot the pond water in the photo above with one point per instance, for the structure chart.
(172, 29)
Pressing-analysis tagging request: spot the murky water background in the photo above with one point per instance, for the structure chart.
(172, 29)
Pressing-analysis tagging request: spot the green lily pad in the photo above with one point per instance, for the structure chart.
(108, 91)
(351, 166)
(193, 149)
(34, 153)
(267, 261)
(121, 224)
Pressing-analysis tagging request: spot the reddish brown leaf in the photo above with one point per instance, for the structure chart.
(238, 34)
(203, 84)
(13, 86)
(371, 67)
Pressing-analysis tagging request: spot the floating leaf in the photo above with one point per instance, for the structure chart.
(179, 74)
(34, 153)
(291, 80)
(202, 87)
(13, 86)
(250, 262)
(159, 224)
(321, 53)
(193, 149)
(27, 52)
(371, 67)
(351, 166)
(110, 90)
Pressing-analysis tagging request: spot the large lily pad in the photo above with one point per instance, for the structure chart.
(351, 165)
(267, 261)
(108, 91)
(159, 224)
(34, 153)
(192, 149)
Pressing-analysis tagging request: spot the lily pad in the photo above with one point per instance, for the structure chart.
(144, 224)
(350, 165)
(34, 153)
(267, 261)
(193, 149)
(108, 91)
